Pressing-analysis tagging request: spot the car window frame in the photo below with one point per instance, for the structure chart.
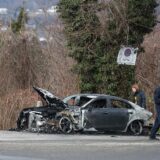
(121, 100)
(96, 99)
(69, 98)
(78, 98)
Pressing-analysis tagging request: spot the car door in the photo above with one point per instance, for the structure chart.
(118, 114)
(109, 117)
(96, 111)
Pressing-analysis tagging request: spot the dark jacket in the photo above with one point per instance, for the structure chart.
(157, 96)
(140, 99)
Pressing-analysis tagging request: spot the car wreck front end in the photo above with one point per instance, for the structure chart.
(31, 118)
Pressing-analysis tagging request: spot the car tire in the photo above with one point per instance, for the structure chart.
(22, 123)
(136, 128)
(65, 125)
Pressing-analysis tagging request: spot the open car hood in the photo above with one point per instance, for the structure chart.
(49, 98)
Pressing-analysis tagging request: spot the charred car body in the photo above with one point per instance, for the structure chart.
(84, 111)
(48, 118)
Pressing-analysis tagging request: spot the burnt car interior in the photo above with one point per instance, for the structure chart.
(83, 100)
(78, 101)
(99, 103)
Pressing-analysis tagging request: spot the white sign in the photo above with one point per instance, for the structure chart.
(127, 55)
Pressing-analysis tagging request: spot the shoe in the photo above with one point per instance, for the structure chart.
(154, 139)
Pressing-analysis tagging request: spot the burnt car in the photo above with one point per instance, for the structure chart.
(109, 113)
(84, 111)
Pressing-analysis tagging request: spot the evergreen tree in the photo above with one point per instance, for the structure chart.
(96, 49)
(19, 24)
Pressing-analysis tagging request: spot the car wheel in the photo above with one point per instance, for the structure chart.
(136, 127)
(22, 123)
(65, 125)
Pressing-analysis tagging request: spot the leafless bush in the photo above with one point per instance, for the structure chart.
(148, 65)
(11, 104)
(24, 62)
(21, 62)
(61, 80)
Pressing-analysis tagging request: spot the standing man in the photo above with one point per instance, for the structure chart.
(139, 96)
(156, 125)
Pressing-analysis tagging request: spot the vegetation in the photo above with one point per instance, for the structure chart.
(25, 62)
(95, 30)
(19, 24)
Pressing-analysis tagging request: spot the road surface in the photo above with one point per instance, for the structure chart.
(32, 146)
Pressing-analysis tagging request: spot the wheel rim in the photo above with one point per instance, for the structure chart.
(136, 128)
(65, 125)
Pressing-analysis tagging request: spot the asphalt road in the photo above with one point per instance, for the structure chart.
(31, 146)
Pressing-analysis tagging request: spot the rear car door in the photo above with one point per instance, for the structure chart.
(111, 117)
(118, 114)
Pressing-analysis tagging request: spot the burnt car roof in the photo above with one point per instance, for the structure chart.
(93, 95)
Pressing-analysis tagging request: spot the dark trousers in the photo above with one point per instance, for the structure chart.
(156, 125)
